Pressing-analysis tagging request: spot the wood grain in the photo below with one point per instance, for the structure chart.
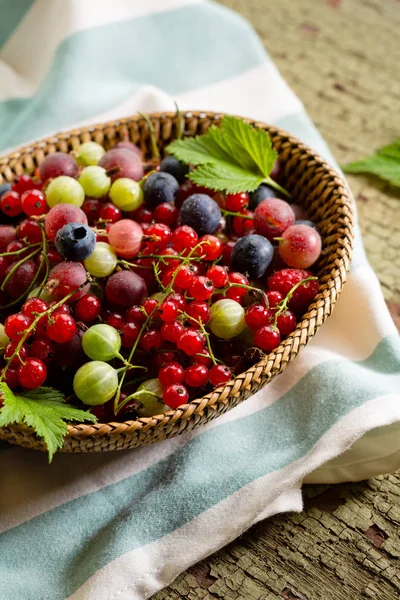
(342, 57)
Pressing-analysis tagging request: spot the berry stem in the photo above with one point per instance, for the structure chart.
(16, 266)
(231, 213)
(283, 304)
(17, 252)
(32, 326)
(204, 332)
(276, 186)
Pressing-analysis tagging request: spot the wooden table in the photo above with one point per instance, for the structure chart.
(342, 57)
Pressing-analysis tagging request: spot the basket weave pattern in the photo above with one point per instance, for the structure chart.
(312, 182)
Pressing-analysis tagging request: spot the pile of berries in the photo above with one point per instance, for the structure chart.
(134, 290)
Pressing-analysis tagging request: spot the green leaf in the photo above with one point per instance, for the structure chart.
(45, 410)
(385, 163)
(234, 157)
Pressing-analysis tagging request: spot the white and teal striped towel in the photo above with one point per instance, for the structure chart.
(120, 526)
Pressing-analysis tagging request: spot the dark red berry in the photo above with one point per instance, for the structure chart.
(191, 342)
(32, 374)
(43, 349)
(173, 372)
(116, 320)
(257, 316)
(201, 288)
(10, 204)
(203, 358)
(54, 257)
(163, 358)
(199, 311)
(218, 275)
(135, 315)
(23, 184)
(227, 252)
(91, 207)
(196, 375)
(175, 395)
(110, 213)
(151, 340)
(87, 308)
(236, 202)
(16, 325)
(171, 332)
(286, 322)
(11, 379)
(141, 215)
(9, 351)
(33, 203)
(61, 327)
(240, 225)
(30, 231)
(219, 374)
(166, 213)
(150, 306)
(267, 338)
(129, 334)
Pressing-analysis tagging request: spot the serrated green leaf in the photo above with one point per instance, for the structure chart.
(228, 178)
(45, 410)
(234, 157)
(385, 164)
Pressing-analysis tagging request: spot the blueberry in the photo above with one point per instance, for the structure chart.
(160, 188)
(171, 165)
(75, 241)
(263, 192)
(306, 222)
(200, 212)
(4, 187)
(252, 255)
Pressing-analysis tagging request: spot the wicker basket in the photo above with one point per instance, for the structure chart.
(314, 184)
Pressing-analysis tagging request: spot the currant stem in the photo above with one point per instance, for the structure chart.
(271, 182)
(17, 252)
(231, 213)
(16, 266)
(283, 304)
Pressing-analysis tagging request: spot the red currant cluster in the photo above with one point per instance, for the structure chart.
(186, 291)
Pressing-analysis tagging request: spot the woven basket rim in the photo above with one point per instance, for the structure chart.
(222, 393)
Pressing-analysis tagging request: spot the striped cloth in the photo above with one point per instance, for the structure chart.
(120, 526)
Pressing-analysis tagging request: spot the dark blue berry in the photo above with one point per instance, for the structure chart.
(263, 192)
(4, 187)
(306, 222)
(200, 212)
(75, 241)
(171, 165)
(159, 188)
(252, 255)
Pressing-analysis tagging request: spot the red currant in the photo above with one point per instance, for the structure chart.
(163, 358)
(168, 311)
(201, 288)
(218, 275)
(179, 301)
(54, 257)
(166, 213)
(203, 358)
(283, 281)
(10, 349)
(15, 326)
(236, 290)
(149, 306)
(32, 374)
(4, 263)
(257, 316)
(129, 334)
(219, 374)
(199, 311)
(141, 215)
(23, 184)
(286, 322)
(169, 263)
(159, 234)
(242, 226)
(43, 349)
(110, 213)
(267, 338)
(91, 207)
(135, 315)
(196, 375)
(30, 231)
(151, 340)
(11, 379)
(184, 277)
(10, 204)
(33, 203)
(175, 395)
(227, 252)
(87, 308)
(274, 298)
(191, 342)
(33, 306)
(184, 237)
(61, 327)
(173, 372)
(211, 247)
(116, 320)
(171, 332)
(236, 202)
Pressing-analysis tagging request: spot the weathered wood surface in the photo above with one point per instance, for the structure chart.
(342, 57)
